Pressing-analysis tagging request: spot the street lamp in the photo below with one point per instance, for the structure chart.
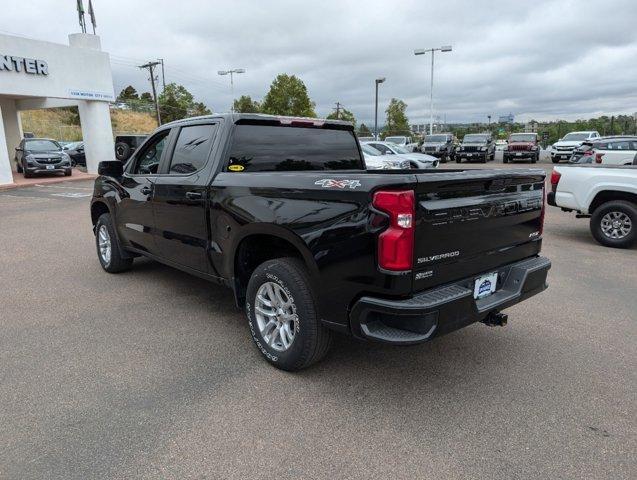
(422, 51)
(231, 73)
(377, 81)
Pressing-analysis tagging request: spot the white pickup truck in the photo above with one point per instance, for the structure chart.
(605, 194)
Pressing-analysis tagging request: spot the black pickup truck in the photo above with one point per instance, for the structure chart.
(282, 211)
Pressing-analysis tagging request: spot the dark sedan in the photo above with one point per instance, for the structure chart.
(41, 155)
(75, 150)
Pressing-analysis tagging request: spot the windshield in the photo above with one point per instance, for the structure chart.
(475, 139)
(398, 140)
(369, 150)
(42, 145)
(522, 137)
(572, 137)
(399, 149)
(435, 138)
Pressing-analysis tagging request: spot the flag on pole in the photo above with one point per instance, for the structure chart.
(80, 14)
(91, 12)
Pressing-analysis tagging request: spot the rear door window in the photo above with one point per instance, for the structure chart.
(269, 148)
(191, 149)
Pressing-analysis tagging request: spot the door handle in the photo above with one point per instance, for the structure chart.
(194, 195)
(145, 190)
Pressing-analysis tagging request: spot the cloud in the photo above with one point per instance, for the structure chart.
(542, 60)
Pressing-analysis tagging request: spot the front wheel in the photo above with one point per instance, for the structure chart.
(109, 251)
(458, 160)
(282, 315)
(505, 159)
(555, 160)
(614, 224)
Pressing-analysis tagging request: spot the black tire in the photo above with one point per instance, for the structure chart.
(620, 206)
(535, 158)
(18, 166)
(122, 151)
(555, 160)
(311, 339)
(505, 159)
(26, 173)
(118, 261)
(458, 160)
(68, 172)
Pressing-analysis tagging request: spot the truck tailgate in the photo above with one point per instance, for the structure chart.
(474, 221)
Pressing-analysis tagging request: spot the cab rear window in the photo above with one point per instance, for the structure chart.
(269, 148)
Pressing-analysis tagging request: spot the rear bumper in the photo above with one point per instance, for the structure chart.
(445, 309)
(550, 199)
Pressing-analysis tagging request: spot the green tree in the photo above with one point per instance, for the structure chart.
(198, 109)
(364, 131)
(128, 93)
(245, 104)
(175, 103)
(397, 122)
(288, 96)
(146, 96)
(343, 115)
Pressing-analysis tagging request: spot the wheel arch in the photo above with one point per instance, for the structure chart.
(611, 195)
(98, 208)
(256, 247)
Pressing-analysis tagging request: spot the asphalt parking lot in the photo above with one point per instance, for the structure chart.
(152, 373)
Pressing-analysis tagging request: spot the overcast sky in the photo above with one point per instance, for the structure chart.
(537, 59)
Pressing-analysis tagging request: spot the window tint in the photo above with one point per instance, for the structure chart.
(382, 148)
(147, 161)
(619, 145)
(263, 148)
(192, 149)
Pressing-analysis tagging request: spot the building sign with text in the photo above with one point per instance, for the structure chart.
(32, 66)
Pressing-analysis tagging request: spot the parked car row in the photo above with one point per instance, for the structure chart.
(413, 159)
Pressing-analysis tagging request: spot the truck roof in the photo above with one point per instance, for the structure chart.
(261, 117)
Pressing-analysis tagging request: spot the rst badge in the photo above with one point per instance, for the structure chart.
(331, 183)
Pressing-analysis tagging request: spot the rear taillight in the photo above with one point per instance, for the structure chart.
(598, 157)
(396, 243)
(555, 179)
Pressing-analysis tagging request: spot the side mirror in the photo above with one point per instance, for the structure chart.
(111, 169)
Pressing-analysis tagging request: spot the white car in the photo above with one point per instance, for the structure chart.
(375, 160)
(417, 160)
(501, 145)
(606, 194)
(403, 141)
(563, 149)
(619, 150)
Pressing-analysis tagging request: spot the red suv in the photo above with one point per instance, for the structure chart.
(522, 146)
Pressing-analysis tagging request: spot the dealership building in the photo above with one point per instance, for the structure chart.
(36, 74)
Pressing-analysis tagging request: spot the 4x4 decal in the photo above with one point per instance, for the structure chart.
(331, 183)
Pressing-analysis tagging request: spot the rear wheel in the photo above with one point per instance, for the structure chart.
(282, 315)
(109, 251)
(614, 224)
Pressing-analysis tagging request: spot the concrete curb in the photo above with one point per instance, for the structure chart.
(48, 181)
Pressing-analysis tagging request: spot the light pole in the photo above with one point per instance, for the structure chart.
(231, 73)
(377, 81)
(422, 51)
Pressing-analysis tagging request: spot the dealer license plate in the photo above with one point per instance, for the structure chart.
(485, 285)
(469, 154)
(518, 154)
(50, 167)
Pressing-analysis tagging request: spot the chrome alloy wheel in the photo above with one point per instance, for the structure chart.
(276, 316)
(616, 225)
(104, 244)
